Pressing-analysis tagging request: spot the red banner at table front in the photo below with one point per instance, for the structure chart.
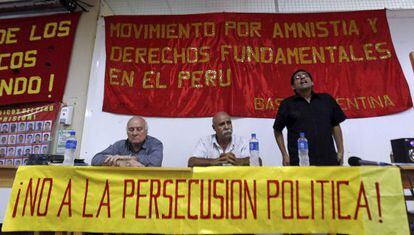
(34, 57)
(196, 65)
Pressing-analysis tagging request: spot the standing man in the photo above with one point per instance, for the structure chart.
(139, 150)
(317, 115)
(222, 148)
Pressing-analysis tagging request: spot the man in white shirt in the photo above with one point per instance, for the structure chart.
(222, 148)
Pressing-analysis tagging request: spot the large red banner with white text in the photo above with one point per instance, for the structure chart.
(34, 57)
(196, 65)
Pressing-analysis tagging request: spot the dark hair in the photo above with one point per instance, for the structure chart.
(292, 79)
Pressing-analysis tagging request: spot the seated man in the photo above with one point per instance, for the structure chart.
(138, 150)
(222, 148)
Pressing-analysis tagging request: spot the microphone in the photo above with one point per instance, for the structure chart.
(356, 161)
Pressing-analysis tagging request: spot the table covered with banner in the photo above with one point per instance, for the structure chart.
(210, 200)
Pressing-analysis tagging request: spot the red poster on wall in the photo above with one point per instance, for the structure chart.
(34, 57)
(196, 65)
(25, 130)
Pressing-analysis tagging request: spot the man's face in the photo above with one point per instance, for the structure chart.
(302, 81)
(136, 131)
(222, 125)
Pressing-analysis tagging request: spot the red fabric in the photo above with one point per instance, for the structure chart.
(360, 69)
(29, 113)
(38, 49)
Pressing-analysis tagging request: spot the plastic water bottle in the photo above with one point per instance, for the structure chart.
(303, 150)
(71, 143)
(254, 151)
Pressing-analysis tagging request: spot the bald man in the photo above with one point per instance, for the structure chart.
(138, 150)
(221, 148)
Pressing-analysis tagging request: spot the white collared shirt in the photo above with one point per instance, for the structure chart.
(207, 147)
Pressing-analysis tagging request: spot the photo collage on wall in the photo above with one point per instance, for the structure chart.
(25, 131)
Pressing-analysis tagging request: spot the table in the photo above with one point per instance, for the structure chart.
(7, 174)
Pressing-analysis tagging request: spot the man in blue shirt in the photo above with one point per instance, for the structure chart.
(139, 150)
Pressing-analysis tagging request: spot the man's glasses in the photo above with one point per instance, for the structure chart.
(300, 76)
(139, 129)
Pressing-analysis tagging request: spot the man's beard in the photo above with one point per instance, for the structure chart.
(227, 134)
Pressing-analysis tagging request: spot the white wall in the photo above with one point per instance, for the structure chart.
(368, 138)
(79, 71)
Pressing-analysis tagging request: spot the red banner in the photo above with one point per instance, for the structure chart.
(34, 57)
(25, 130)
(195, 65)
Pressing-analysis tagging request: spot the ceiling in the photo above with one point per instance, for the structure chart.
(172, 7)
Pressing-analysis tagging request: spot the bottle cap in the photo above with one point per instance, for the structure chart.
(253, 135)
(72, 132)
(302, 134)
